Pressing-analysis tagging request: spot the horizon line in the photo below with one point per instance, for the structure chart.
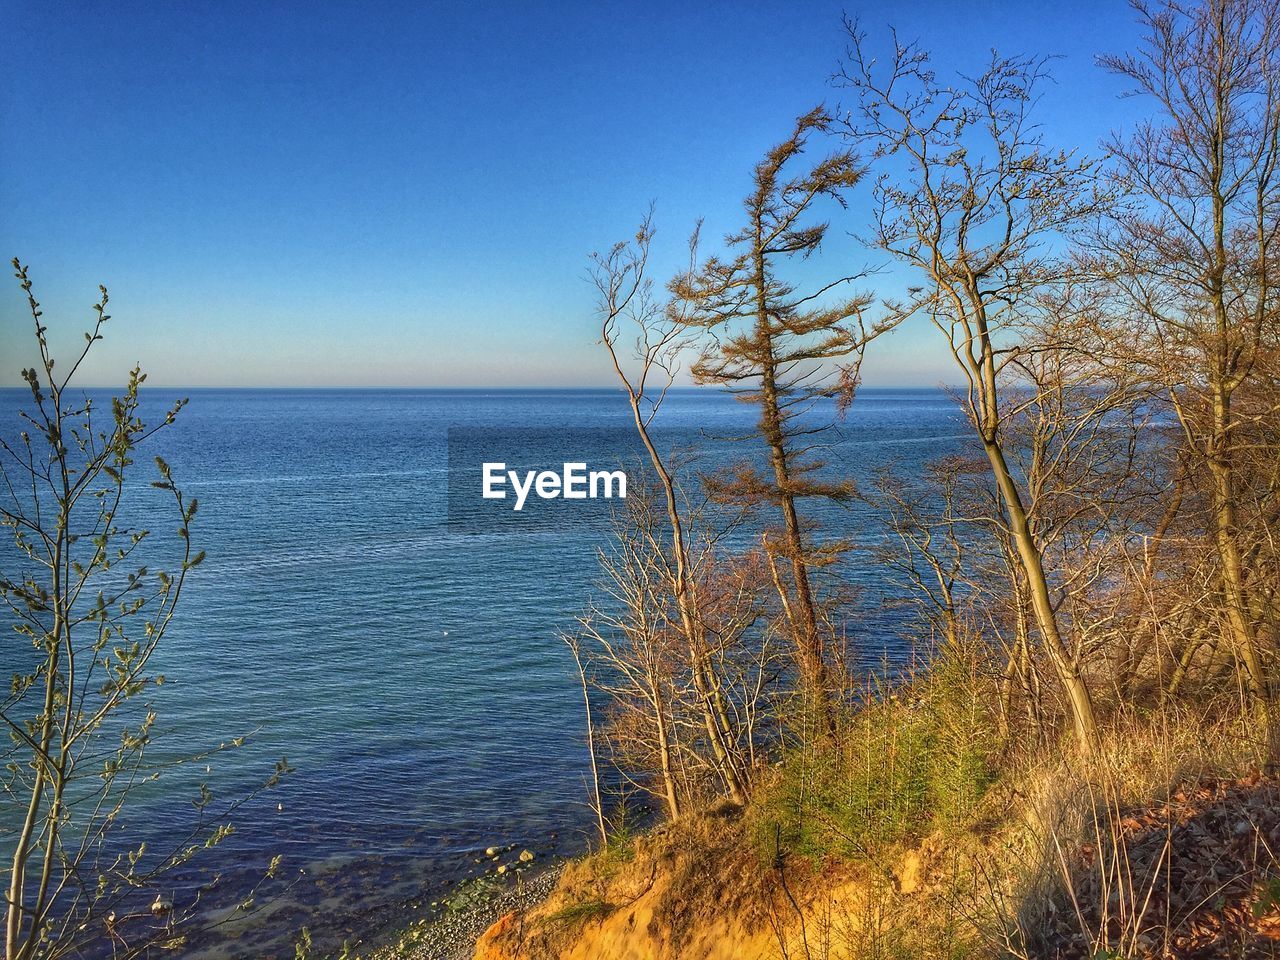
(470, 387)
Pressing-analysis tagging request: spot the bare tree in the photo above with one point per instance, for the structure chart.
(970, 198)
(927, 546)
(597, 799)
(1194, 256)
(626, 299)
(633, 658)
(639, 669)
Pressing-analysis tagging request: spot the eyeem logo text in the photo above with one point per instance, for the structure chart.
(574, 482)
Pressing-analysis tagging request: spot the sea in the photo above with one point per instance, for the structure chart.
(404, 656)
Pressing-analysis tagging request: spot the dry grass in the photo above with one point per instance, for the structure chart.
(1159, 847)
(1104, 857)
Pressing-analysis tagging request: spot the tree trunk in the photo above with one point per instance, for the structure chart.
(810, 658)
(710, 700)
(1032, 563)
(664, 751)
(1239, 617)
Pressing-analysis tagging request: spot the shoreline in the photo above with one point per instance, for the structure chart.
(453, 934)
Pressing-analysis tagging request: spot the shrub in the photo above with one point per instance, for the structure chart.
(914, 758)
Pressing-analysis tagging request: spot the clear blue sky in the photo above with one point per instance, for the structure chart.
(404, 194)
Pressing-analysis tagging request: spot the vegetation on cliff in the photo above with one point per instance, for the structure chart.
(1079, 762)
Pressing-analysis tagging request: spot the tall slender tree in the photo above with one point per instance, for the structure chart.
(79, 715)
(970, 199)
(1194, 257)
(629, 310)
(784, 351)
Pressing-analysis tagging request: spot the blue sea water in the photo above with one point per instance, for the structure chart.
(411, 672)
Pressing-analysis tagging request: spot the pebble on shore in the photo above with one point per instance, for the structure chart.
(453, 936)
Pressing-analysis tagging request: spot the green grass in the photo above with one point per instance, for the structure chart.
(902, 766)
(581, 912)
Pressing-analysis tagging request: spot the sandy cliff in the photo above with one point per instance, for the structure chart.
(702, 891)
